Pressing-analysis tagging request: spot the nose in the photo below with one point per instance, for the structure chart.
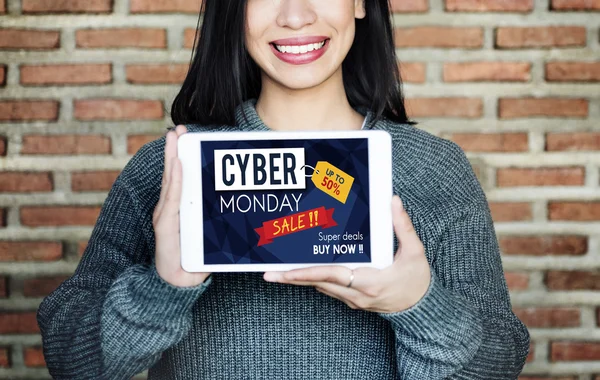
(295, 14)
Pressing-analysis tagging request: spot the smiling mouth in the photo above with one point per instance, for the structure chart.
(300, 49)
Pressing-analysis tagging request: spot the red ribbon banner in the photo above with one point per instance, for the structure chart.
(317, 217)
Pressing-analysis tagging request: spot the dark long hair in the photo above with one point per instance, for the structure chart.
(222, 74)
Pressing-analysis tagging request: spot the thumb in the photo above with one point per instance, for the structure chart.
(173, 196)
(403, 227)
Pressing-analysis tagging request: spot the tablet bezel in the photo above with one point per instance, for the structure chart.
(380, 197)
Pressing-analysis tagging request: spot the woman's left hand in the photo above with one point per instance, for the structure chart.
(392, 289)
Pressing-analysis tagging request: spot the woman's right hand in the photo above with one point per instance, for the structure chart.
(166, 219)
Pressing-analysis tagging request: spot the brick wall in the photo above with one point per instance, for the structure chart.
(83, 84)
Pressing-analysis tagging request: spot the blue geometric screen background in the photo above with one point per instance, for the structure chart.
(230, 237)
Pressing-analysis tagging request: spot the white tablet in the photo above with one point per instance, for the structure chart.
(263, 201)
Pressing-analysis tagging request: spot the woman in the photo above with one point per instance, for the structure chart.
(442, 310)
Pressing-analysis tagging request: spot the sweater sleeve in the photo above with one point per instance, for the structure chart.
(463, 327)
(115, 315)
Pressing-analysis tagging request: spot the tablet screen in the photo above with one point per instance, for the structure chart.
(285, 201)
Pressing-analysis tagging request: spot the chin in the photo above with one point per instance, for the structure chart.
(300, 84)
(300, 79)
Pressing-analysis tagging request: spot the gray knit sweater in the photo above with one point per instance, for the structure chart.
(115, 317)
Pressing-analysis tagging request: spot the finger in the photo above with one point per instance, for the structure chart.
(272, 276)
(180, 129)
(403, 227)
(170, 152)
(173, 196)
(277, 276)
(170, 140)
(329, 273)
(366, 280)
(344, 292)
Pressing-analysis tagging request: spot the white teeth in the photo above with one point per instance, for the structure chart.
(300, 49)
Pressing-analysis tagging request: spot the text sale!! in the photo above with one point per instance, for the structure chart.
(244, 178)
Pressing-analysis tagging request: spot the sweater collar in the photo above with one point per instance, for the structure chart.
(255, 123)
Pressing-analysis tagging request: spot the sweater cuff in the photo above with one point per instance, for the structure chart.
(175, 299)
(440, 315)
(152, 298)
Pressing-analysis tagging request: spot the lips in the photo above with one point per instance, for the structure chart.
(304, 40)
(302, 58)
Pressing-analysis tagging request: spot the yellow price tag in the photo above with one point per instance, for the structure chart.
(332, 180)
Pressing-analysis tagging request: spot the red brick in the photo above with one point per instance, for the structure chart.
(412, 72)
(66, 6)
(489, 5)
(135, 142)
(29, 39)
(156, 73)
(66, 74)
(516, 281)
(549, 317)
(2, 146)
(491, 142)
(487, 71)
(511, 108)
(93, 181)
(572, 141)
(81, 246)
(544, 245)
(471, 108)
(121, 37)
(405, 6)
(164, 6)
(66, 144)
(118, 109)
(3, 287)
(25, 182)
(575, 5)
(3, 75)
(42, 286)
(574, 351)
(540, 37)
(573, 71)
(439, 37)
(559, 176)
(34, 357)
(59, 216)
(4, 357)
(28, 110)
(510, 211)
(18, 322)
(574, 211)
(2, 11)
(573, 280)
(188, 37)
(30, 250)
